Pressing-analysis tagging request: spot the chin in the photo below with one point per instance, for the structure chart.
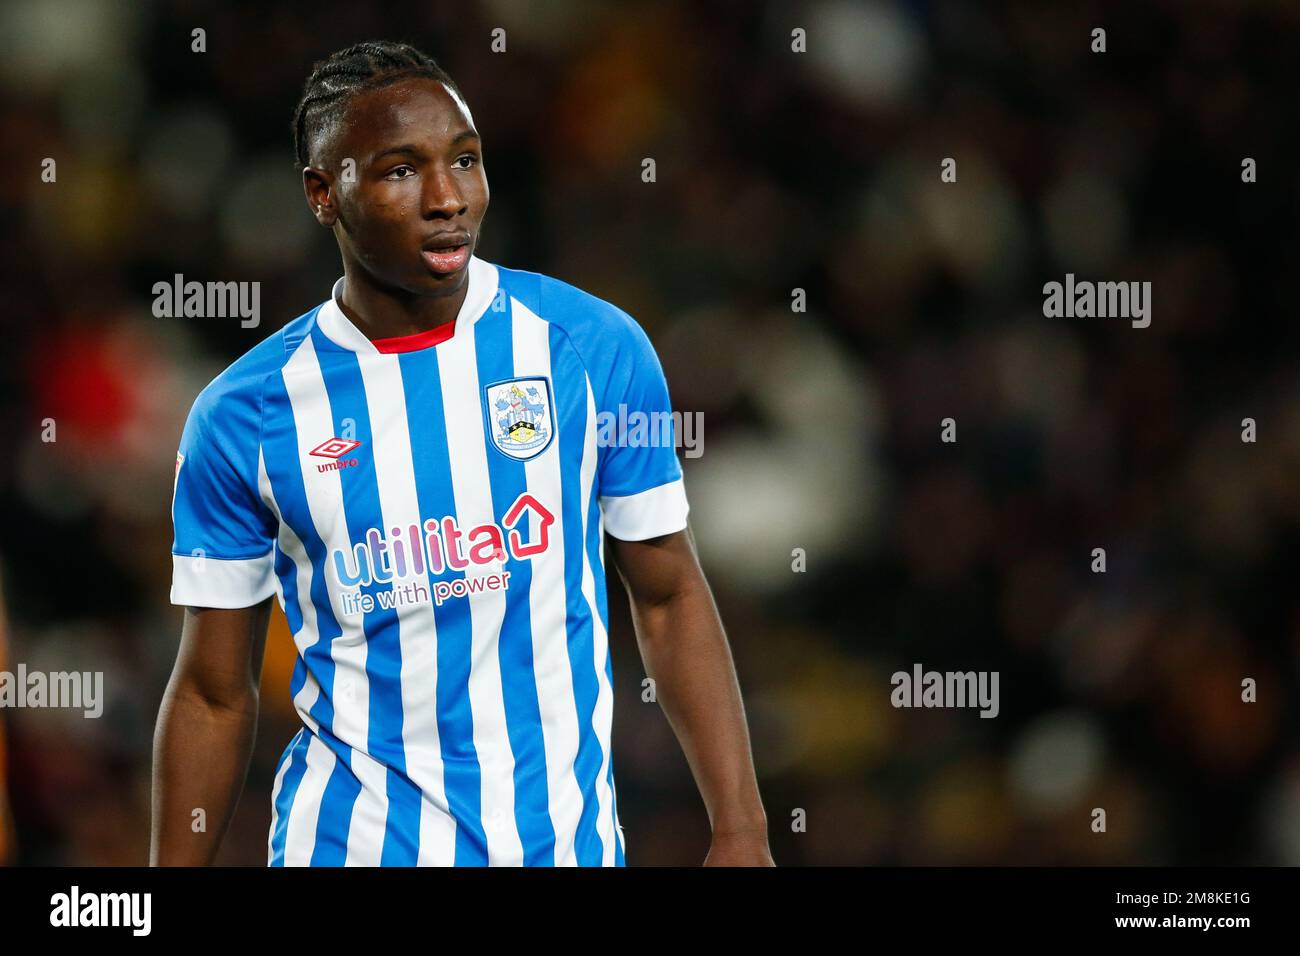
(444, 282)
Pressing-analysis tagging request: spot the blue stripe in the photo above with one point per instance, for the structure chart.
(297, 754)
(462, 779)
(340, 797)
(402, 838)
(493, 339)
(570, 380)
(345, 389)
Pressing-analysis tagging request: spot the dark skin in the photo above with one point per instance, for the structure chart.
(205, 732)
(419, 171)
(685, 651)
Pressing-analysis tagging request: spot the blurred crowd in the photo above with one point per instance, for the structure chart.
(844, 540)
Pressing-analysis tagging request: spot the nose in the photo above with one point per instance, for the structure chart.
(442, 198)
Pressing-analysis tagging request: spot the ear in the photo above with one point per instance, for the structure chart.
(318, 187)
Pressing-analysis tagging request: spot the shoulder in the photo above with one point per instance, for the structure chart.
(602, 333)
(235, 394)
(585, 317)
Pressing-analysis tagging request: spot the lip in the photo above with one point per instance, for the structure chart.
(446, 262)
(445, 241)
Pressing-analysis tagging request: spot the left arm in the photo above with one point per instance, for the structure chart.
(685, 652)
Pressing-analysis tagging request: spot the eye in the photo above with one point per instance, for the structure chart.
(392, 173)
(469, 158)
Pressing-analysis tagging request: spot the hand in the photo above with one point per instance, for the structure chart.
(739, 848)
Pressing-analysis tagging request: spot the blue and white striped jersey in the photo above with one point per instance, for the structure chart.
(430, 517)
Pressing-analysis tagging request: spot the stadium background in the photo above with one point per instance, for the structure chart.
(776, 170)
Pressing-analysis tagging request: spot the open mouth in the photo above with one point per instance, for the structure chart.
(446, 259)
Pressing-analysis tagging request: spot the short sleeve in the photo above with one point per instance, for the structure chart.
(223, 548)
(640, 479)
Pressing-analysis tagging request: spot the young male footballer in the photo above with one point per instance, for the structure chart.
(414, 468)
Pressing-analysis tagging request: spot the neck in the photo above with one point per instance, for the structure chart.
(384, 313)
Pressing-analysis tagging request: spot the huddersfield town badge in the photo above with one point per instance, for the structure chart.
(519, 416)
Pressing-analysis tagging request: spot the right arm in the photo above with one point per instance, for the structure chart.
(205, 732)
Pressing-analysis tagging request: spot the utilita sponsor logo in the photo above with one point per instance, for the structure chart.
(335, 448)
(440, 545)
(405, 557)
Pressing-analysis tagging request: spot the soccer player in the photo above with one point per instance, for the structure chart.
(421, 470)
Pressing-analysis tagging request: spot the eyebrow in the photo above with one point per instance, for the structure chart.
(412, 148)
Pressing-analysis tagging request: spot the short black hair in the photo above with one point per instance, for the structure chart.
(342, 74)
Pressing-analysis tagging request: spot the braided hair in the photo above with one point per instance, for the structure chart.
(341, 75)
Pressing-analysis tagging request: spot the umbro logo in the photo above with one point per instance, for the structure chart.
(335, 448)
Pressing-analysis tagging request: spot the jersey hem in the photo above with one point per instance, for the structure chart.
(202, 581)
(648, 514)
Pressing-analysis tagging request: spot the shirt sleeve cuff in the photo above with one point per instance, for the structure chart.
(648, 514)
(200, 581)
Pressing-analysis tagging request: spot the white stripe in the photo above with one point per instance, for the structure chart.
(300, 837)
(547, 606)
(603, 715)
(399, 507)
(350, 694)
(462, 408)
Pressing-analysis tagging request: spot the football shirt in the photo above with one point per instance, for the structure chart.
(429, 511)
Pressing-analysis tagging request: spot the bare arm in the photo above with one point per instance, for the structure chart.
(205, 732)
(685, 652)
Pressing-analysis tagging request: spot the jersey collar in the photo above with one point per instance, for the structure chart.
(338, 328)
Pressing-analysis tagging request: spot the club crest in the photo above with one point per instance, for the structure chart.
(519, 416)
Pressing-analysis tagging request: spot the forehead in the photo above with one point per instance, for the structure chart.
(419, 111)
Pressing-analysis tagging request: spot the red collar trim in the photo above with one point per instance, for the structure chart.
(416, 340)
